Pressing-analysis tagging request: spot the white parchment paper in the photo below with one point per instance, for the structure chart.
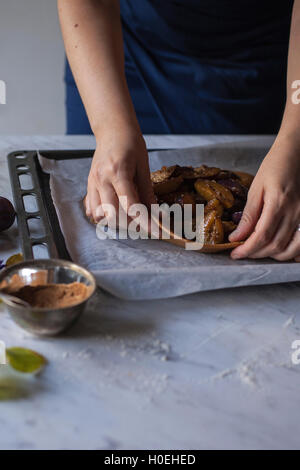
(152, 269)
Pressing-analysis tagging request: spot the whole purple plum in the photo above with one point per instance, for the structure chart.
(7, 214)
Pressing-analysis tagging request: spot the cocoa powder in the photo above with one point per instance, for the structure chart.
(51, 295)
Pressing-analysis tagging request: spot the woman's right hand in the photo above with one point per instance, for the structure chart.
(120, 167)
(92, 33)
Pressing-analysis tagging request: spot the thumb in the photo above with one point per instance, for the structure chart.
(145, 188)
(249, 218)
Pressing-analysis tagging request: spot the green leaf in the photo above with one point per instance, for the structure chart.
(25, 360)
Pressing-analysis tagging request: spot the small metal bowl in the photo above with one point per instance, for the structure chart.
(47, 321)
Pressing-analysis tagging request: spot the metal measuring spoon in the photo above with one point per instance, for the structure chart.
(14, 300)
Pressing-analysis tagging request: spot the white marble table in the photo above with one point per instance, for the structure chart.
(205, 371)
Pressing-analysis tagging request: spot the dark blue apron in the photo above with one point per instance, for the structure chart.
(201, 66)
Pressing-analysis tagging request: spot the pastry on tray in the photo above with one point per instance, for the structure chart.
(223, 193)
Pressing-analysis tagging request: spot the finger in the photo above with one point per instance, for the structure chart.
(86, 205)
(93, 201)
(146, 194)
(292, 250)
(131, 203)
(88, 211)
(280, 241)
(99, 213)
(145, 188)
(249, 218)
(126, 192)
(263, 234)
(109, 202)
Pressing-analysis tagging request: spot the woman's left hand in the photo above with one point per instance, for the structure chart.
(271, 218)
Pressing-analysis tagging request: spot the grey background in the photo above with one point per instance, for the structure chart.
(31, 64)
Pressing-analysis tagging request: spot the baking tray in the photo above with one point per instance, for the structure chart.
(39, 229)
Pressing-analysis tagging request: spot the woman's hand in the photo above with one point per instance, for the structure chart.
(272, 214)
(120, 167)
(92, 33)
